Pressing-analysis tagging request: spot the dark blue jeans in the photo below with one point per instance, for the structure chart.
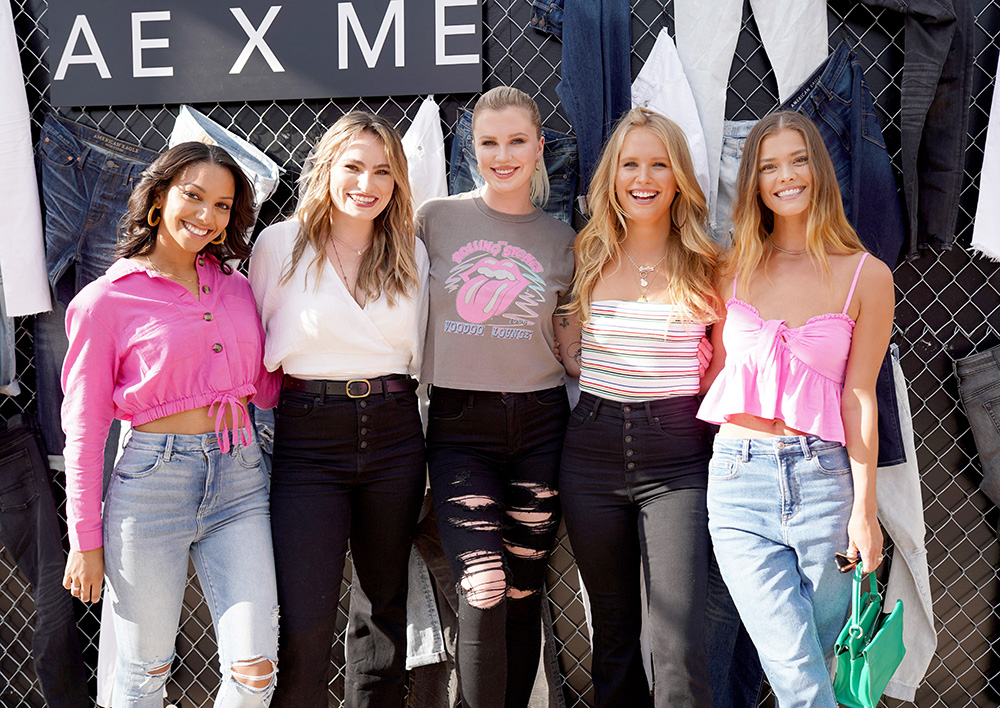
(29, 530)
(494, 461)
(344, 470)
(838, 101)
(937, 84)
(87, 178)
(596, 78)
(560, 165)
(632, 484)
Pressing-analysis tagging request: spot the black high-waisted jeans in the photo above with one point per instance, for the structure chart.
(493, 461)
(344, 469)
(632, 484)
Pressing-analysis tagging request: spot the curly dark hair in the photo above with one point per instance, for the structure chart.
(139, 238)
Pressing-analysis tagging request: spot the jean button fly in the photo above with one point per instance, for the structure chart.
(780, 445)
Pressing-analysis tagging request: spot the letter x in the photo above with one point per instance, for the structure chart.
(256, 40)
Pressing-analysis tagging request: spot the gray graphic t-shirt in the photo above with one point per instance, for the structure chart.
(495, 282)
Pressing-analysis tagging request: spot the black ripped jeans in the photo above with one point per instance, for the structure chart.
(494, 461)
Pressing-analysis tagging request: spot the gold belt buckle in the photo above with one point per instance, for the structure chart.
(368, 388)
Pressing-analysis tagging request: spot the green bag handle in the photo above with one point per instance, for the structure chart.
(857, 631)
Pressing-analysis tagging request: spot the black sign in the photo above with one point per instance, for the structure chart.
(190, 51)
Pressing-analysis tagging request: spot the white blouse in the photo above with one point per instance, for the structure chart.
(319, 331)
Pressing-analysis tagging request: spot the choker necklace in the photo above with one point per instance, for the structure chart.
(171, 276)
(644, 272)
(785, 250)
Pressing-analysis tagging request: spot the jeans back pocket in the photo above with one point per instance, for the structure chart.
(17, 482)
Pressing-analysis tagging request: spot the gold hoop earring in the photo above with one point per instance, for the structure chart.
(221, 240)
(149, 216)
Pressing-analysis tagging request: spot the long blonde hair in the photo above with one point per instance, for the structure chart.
(690, 263)
(827, 228)
(389, 265)
(501, 97)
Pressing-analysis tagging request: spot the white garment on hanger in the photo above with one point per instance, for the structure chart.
(794, 34)
(424, 148)
(986, 225)
(901, 511)
(22, 243)
(661, 86)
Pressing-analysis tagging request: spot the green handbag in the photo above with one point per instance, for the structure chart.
(869, 648)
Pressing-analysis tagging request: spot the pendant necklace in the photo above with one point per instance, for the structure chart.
(644, 272)
(171, 276)
(343, 272)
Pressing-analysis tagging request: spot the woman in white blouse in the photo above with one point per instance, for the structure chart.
(341, 290)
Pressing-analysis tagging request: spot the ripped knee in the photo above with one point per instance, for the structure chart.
(158, 670)
(474, 503)
(535, 507)
(524, 552)
(255, 674)
(484, 580)
(518, 594)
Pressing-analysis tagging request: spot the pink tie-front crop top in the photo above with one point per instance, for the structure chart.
(773, 371)
(142, 347)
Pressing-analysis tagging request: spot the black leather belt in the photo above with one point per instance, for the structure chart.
(355, 388)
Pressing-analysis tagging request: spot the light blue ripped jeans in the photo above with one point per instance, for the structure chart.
(175, 496)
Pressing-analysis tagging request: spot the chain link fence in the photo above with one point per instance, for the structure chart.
(948, 305)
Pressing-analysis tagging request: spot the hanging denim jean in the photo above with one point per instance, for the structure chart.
(29, 530)
(938, 41)
(8, 371)
(561, 164)
(838, 101)
(547, 16)
(597, 40)
(979, 389)
(87, 177)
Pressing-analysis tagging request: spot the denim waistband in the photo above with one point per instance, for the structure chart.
(988, 359)
(824, 78)
(635, 410)
(781, 446)
(438, 391)
(82, 140)
(174, 442)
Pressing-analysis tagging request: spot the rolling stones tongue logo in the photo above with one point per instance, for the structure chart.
(491, 286)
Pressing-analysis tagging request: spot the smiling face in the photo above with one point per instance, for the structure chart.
(784, 177)
(195, 207)
(361, 181)
(507, 146)
(644, 181)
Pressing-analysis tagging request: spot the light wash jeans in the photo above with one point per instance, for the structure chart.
(777, 511)
(794, 35)
(901, 511)
(171, 497)
(734, 137)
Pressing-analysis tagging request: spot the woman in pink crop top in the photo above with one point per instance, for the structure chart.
(792, 476)
(169, 340)
(635, 458)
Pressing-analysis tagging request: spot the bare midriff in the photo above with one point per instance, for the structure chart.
(744, 425)
(196, 421)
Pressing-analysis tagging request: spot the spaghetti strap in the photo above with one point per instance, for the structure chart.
(736, 278)
(854, 283)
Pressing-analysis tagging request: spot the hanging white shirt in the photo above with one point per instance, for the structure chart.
(661, 86)
(318, 330)
(986, 225)
(424, 148)
(22, 243)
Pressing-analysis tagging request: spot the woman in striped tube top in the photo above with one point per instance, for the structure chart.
(635, 459)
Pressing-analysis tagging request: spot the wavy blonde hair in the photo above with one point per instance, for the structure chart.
(501, 97)
(691, 257)
(827, 228)
(389, 265)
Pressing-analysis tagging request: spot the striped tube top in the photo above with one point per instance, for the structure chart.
(639, 351)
